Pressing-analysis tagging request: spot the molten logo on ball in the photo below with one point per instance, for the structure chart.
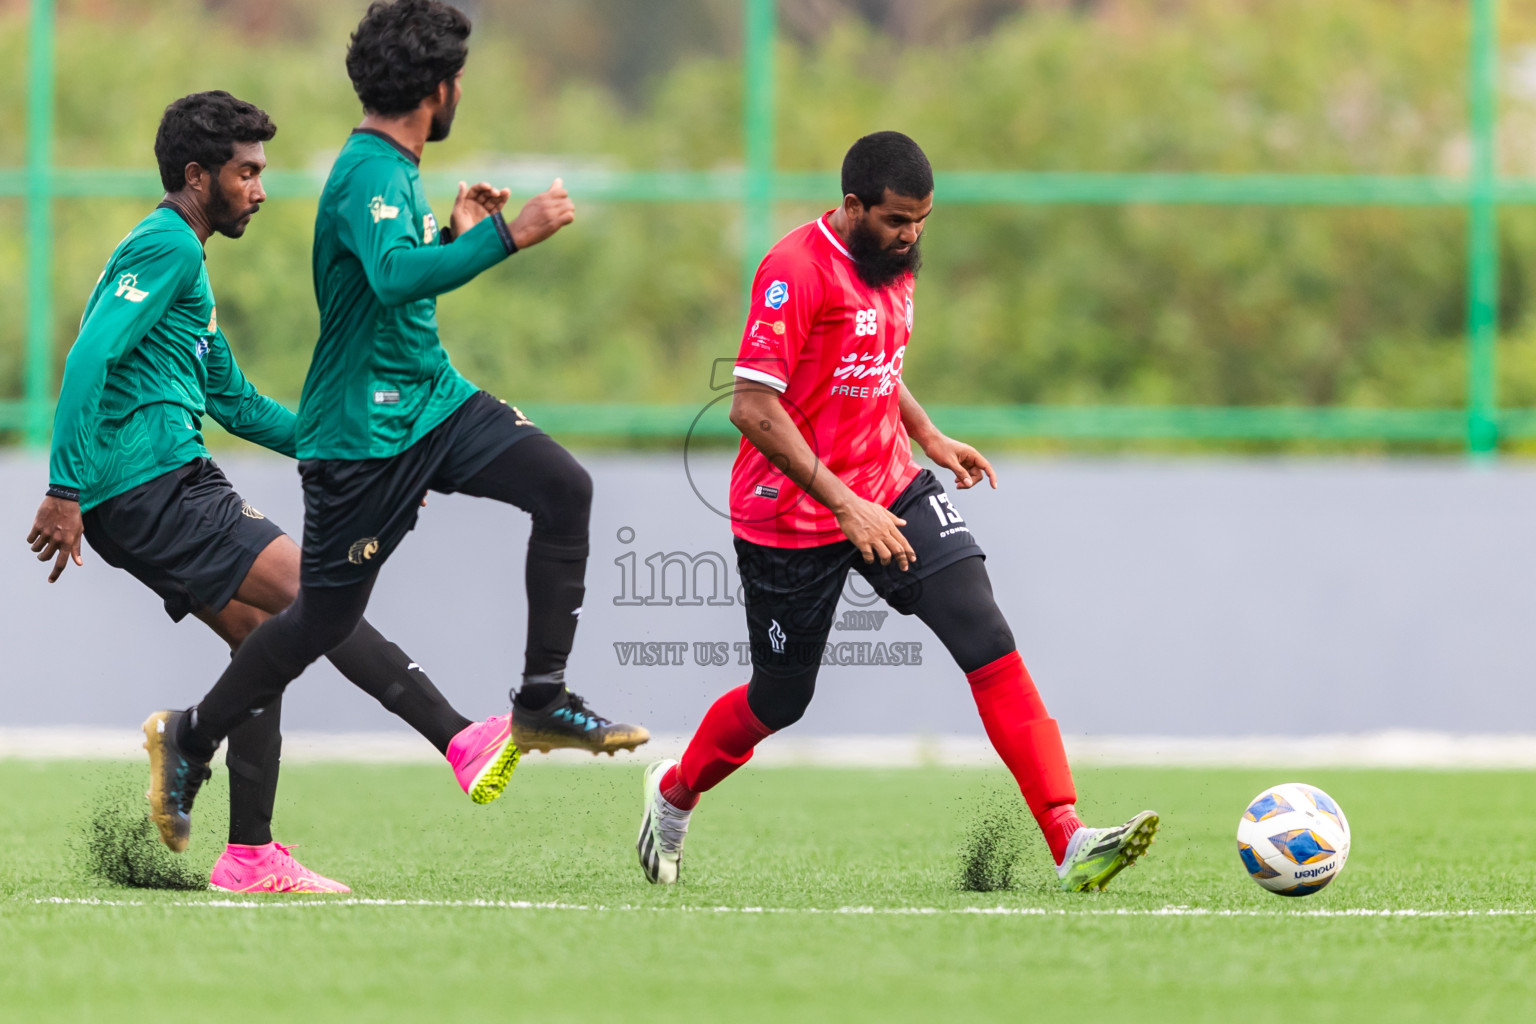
(1293, 839)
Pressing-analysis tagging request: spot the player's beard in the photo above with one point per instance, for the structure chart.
(223, 218)
(442, 123)
(878, 266)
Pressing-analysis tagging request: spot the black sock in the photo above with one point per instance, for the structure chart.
(546, 481)
(555, 577)
(254, 753)
(192, 741)
(538, 692)
(386, 673)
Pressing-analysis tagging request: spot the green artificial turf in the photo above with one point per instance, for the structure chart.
(799, 844)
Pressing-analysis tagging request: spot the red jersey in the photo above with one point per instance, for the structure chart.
(833, 347)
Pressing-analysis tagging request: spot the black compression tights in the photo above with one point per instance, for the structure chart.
(535, 474)
(956, 603)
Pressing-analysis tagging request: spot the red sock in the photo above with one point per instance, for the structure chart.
(1029, 742)
(1059, 824)
(722, 743)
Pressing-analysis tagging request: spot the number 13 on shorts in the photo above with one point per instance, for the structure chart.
(944, 509)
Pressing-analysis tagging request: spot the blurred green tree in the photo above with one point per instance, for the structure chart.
(1072, 304)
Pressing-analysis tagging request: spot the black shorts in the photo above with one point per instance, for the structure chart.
(186, 535)
(357, 511)
(791, 594)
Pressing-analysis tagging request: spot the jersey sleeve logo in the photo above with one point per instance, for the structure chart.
(761, 328)
(428, 229)
(200, 348)
(382, 210)
(776, 295)
(127, 288)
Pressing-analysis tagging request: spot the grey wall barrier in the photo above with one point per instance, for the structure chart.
(1190, 598)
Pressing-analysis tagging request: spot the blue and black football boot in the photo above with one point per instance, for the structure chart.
(174, 779)
(566, 721)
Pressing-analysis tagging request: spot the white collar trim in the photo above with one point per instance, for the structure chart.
(821, 222)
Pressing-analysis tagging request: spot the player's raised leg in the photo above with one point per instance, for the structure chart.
(539, 476)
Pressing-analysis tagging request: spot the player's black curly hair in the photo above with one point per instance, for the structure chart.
(202, 129)
(402, 50)
(886, 160)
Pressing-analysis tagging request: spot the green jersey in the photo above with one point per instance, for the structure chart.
(380, 379)
(148, 364)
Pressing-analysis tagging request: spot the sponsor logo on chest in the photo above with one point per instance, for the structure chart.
(867, 370)
(868, 374)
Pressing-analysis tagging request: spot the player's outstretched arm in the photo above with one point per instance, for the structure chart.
(759, 415)
(540, 217)
(239, 408)
(543, 215)
(968, 464)
(402, 269)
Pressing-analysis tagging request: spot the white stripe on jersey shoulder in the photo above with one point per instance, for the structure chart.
(821, 223)
(747, 373)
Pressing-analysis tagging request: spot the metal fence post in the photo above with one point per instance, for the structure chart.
(1483, 235)
(39, 371)
(758, 126)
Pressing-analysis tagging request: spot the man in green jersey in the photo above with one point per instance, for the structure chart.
(385, 417)
(129, 469)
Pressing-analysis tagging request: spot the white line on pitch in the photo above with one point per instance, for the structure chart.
(228, 904)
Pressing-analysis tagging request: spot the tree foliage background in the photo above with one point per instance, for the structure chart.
(1118, 304)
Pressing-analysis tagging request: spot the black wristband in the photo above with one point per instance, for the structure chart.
(504, 232)
(445, 234)
(67, 493)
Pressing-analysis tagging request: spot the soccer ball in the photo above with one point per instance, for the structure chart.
(1293, 839)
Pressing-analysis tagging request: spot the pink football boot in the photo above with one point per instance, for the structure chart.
(483, 757)
(269, 868)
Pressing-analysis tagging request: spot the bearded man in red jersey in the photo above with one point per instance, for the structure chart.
(824, 482)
